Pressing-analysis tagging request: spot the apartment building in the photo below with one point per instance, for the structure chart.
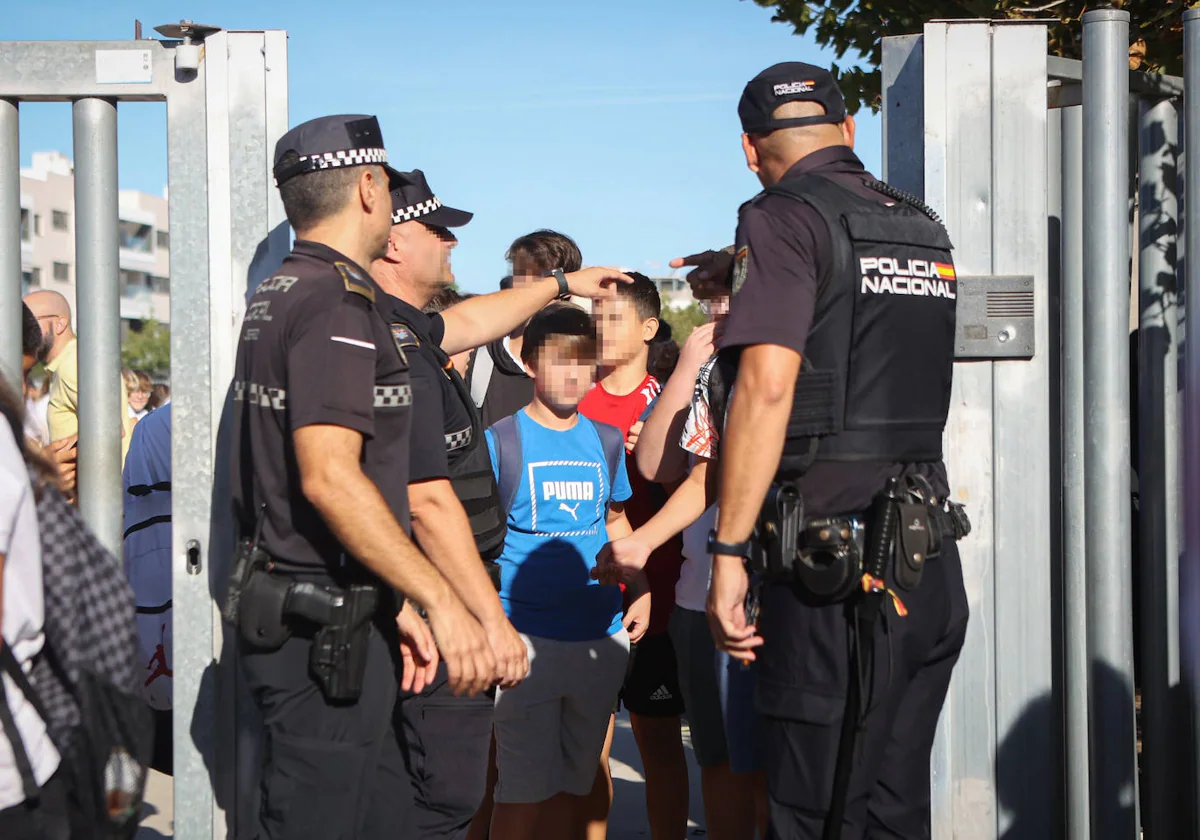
(48, 240)
(674, 292)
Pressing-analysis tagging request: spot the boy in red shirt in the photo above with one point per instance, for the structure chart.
(626, 324)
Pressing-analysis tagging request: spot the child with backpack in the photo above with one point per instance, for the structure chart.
(563, 480)
(628, 325)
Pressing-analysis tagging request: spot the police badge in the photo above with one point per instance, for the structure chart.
(740, 265)
(403, 337)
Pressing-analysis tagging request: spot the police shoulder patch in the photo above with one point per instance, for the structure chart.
(354, 281)
(741, 264)
(403, 336)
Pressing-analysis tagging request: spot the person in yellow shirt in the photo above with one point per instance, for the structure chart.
(53, 314)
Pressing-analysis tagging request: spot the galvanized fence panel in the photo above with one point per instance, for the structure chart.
(227, 232)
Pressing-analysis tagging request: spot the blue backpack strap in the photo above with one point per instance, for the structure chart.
(613, 442)
(507, 435)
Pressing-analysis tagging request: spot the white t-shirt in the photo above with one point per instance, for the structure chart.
(36, 426)
(700, 437)
(21, 623)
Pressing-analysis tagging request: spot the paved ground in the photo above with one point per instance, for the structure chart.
(628, 820)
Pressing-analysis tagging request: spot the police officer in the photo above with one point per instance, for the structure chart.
(835, 373)
(458, 518)
(321, 424)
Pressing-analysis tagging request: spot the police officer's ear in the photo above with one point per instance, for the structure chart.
(751, 153)
(373, 190)
(848, 128)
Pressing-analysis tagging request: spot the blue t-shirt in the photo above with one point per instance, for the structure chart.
(555, 529)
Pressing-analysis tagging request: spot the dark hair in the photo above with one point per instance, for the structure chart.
(547, 250)
(506, 282)
(159, 394)
(444, 299)
(31, 334)
(644, 295)
(662, 358)
(312, 197)
(560, 320)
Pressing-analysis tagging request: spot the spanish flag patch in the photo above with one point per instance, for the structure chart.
(945, 271)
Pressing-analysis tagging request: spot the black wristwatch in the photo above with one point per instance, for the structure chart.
(742, 549)
(564, 290)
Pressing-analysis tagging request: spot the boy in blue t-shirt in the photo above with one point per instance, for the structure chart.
(550, 729)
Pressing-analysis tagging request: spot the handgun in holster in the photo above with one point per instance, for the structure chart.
(338, 657)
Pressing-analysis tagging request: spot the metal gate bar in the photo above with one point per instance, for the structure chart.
(10, 244)
(1189, 595)
(1107, 433)
(1077, 771)
(1158, 462)
(98, 317)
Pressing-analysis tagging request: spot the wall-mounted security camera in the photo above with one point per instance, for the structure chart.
(187, 54)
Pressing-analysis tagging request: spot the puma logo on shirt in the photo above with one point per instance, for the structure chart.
(574, 511)
(570, 490)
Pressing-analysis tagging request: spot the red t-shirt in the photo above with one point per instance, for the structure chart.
(662, 571)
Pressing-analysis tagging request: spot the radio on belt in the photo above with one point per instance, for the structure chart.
(995, 317)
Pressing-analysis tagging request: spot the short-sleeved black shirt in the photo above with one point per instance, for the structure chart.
(788, 251)
(313, 352)
(441, 424)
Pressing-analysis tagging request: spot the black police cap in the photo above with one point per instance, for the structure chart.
(331, 143)
(790, 81)
(414, 201)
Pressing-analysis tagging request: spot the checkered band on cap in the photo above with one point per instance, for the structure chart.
(335, 160)
(416, 211)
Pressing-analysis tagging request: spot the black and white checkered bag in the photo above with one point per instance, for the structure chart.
(87, 677)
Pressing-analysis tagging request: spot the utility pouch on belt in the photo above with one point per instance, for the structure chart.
(829, 564)
(260, 617)
(248, 558)
(779, 531)
(915, 546)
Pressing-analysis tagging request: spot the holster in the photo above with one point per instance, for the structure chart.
(338, 658)
(273, 607)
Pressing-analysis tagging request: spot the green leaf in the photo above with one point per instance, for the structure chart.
(846, 26)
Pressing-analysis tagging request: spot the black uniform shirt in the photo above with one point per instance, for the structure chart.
(314, 351)
(787, 253)
(441, 424)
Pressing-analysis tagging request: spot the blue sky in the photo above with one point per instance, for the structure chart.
(611, 120)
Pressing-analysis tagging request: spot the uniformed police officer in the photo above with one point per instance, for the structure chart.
(836, 364)
(456, 510)
(321, 422)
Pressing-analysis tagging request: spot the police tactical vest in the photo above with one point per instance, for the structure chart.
(875, 376)
(470, 468)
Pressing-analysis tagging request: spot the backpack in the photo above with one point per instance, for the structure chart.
(510, 461)
(85, 683)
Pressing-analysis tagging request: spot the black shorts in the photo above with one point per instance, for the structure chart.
(652, 684)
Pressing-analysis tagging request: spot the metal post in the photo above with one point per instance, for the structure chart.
(1189, 596)
(98, 316)
(10, 245)
(1158, 457)
(1075, 611)
(1106, 400)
